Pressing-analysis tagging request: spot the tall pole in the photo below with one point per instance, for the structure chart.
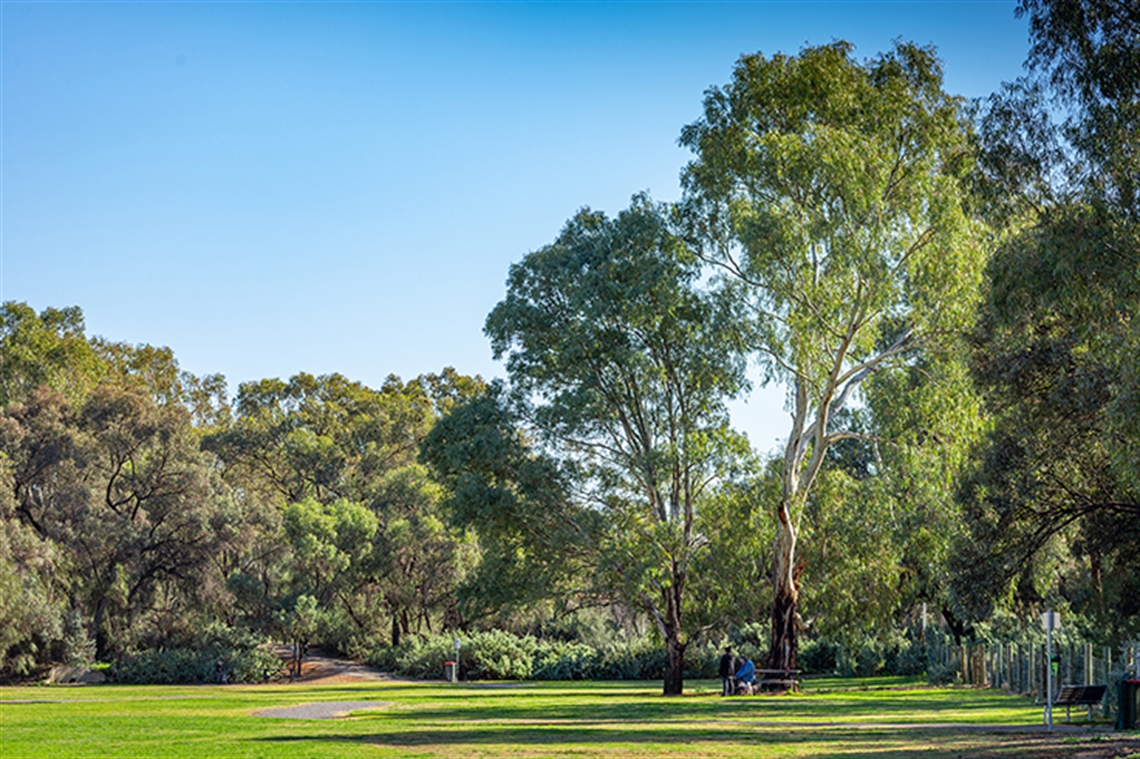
(1050, 620)
(1049, 675)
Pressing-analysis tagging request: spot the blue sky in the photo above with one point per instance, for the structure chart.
(279, 187)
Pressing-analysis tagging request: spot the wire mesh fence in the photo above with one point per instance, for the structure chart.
(1019, 666)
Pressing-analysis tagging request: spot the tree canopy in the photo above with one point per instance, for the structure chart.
(621, 366)
(829, 194)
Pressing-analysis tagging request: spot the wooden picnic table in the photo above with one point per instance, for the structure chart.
(785, 677)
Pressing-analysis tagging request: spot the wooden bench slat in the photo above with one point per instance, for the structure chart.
(1080, 695)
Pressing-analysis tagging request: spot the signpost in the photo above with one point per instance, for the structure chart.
(1050, 620)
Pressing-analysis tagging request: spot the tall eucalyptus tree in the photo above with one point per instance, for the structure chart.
(828, 193)
(628, 364)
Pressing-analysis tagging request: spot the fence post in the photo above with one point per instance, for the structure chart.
(1032, 671)
(1088, 664)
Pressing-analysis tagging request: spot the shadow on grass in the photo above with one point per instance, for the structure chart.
(833, 708)
(828, 743)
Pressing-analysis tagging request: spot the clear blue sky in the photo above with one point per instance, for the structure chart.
(279, 187)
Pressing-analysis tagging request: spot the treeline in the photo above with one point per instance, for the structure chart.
(948, 290)
(142, 511)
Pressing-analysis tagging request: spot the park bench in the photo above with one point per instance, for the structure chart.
(1080, 695)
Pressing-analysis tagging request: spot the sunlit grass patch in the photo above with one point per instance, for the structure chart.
(885, 719)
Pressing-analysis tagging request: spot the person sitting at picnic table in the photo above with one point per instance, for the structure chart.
(745, 675)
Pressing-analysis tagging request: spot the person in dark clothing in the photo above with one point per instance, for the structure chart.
(726, 672)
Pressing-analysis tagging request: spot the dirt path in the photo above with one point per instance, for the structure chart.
(318, 668)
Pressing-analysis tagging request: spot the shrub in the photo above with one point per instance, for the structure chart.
(819, 656)
(561, 660)
(498, 655)
(188, 666)
(176, 666)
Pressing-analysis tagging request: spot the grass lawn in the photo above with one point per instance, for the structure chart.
(881, 718)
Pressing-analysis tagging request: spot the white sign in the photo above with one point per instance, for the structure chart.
(1051, 620)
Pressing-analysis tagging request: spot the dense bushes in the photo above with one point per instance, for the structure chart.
(497, 655)
(184, 666)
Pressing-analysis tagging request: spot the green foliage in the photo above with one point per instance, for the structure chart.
(165, 667)
(118, 484)
(32, 613)
(564, 660)
(819, 656)
(337, 461)
(329, 541)
(1054, 499)
(46, 349)
(184, 666)
(1089, 51)
(322, 437)
(535, 539)
(499, 655)
(621, 365)
(830, 195)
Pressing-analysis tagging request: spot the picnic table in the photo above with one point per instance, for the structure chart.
(780, 678)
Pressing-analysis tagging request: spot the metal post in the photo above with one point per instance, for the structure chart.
(1050, 620)
(1049, 676)
(1032, 683)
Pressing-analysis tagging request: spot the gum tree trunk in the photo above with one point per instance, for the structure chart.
(674, 647)
(784, 644)
(674, 667)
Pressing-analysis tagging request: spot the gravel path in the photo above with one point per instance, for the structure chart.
(321, 709)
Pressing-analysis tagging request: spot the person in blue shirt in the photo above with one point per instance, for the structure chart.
(745, 675)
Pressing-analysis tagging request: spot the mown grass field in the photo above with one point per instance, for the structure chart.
(882, 718)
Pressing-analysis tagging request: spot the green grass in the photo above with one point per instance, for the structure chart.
(881, 718)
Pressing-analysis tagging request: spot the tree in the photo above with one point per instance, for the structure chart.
(120, 484)
(829, 194)
(32, 594)
(45, 349)
(1089, 51)
(312, 442)
(1053, 502)
(536, 542)
(628, 364)
(421, 561)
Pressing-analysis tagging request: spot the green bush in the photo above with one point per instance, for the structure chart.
(497, 655)
(561, 660)
(252, 665)
(632, 659)
(819, 656)
(185, 666)
(177, 666)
